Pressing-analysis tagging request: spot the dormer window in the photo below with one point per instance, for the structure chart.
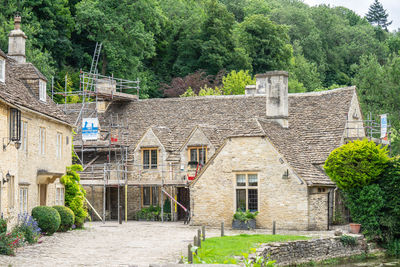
(2, 70)
(198, 154)
(42, 90)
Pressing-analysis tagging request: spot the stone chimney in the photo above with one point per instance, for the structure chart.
(275, 86)
(16, 42)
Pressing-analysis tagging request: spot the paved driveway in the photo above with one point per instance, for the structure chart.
(111, 244)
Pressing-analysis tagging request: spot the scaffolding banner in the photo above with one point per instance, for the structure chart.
(90, 129)
(383, 126)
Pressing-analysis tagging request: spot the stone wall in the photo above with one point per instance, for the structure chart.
(318, 208)
(296, 252)
(280, 199)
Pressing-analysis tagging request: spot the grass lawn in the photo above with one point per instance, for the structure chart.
(222, 249)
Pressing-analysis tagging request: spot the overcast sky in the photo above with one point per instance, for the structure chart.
(361, 8)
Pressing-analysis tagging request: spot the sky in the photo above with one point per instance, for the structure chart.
(361, 8)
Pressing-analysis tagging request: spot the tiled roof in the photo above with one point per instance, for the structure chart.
(15, 92)
(316, 124)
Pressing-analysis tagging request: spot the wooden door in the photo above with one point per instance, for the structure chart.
(184, 199)
(43, 194)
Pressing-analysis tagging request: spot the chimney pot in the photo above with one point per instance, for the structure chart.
(17, 22)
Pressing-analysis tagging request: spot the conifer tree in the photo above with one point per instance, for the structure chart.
(377, 15)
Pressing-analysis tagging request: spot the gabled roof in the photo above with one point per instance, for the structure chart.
(15, 92)
(316, 124)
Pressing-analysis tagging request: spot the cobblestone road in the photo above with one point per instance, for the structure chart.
(111, 244)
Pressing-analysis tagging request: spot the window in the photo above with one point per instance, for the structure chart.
(42, 90)
(198, 154)
(42, 141)
(15, 124)
(11, 193)
(2, 70)
(247, 192)
(60, 196)
(150, 196)
(59, 145)
(23, 200)
(150, 158)
(24, 137)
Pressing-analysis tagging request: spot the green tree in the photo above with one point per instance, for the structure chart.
(235, 82)
(305, 73)
(266, 43)
(377, 15)
(356, 164)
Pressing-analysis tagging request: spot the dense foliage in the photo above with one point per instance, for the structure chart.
(356, 164)
(47, 218)
(370, 183)
(75, 194)
(171, 45)
(67, 218)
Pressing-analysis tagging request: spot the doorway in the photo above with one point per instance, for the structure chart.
(112, 202)
(184, 199)
(43, 194)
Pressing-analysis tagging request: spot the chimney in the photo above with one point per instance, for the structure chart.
(16, 42)
(275, 86)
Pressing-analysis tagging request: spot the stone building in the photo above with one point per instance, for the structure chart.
(262, 151)
(36, 135)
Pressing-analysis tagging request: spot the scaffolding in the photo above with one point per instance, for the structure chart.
(93, 97)
(370, 128)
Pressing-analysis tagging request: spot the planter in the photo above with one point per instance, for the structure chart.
(355, 228)
(242, 225)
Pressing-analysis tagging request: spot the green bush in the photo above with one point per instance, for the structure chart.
(67, 218)
(393, 248)
(356, 164)
(75, 194)
(366, 207)
(245, 216)
(348, 241)
(3, 225)
(48, 219)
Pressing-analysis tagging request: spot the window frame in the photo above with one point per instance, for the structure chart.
(2, 69)
(23, 199)
(60, 196)
(24, 136)
(42, 90)
(42, 141)
(198, 148)
(59, 145)
(151, 197)
(247, 187)
(11, 192)
(149, 165)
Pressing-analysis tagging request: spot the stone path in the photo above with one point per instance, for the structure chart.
(111, 244)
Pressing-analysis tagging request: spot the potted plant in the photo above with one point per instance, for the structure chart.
(355, 228)
(244, 220)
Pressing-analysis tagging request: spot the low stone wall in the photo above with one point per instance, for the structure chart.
(296, 252)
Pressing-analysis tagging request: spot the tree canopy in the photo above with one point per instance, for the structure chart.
(171, 45)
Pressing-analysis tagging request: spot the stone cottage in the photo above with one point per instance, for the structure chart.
(262, 151)
(35, 134)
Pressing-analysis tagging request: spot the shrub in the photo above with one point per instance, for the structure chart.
(348, 241)
(366, 208)
(8, 243)
(48, 219)
(29, 228)
(245, 216)
(3, 225)
(393, 248)
(67, 218)
(75, 194)
(356, 164)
